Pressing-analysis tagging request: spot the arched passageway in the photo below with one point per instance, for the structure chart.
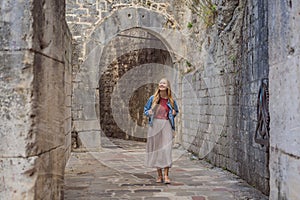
(135, 42)
(128, 50)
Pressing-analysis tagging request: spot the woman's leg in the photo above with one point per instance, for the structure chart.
(159, 175)
(166, 174)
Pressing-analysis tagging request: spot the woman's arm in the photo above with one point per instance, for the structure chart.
(147, 107)
(175, 109)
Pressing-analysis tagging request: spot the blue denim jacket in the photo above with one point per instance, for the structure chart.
(148, 105)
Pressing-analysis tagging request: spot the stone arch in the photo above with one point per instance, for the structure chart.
(131, 17)
(121, 20)
(131, 50)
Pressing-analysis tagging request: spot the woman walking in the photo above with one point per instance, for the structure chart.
(161, 109)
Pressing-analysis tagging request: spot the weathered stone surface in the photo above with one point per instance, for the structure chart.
(286, 117)
(35, 102)
(83, 125)
(16, 122)
(284, 87)
(118, 172)
(235, 58)
(284, 177)
(18, 178)
(50, 174)
(16, 23)
(90, 141)
(49, 105)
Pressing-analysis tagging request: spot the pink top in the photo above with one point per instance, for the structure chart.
(162, 110)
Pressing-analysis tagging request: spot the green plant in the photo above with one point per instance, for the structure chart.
(190, 25)
(148, 3)
(232, 58)
(205, 9)
(200, 49)
(188, 63)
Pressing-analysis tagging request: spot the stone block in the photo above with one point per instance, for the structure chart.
(70, 18)
(102, 6)
(50, 31)
(89, 111)
(50, 174)
(67, 125)
(80, 12)
(49, 105)
(285, 119)
(284, 180)
(128, 18)
(150, 19)
(16, 102)
(90, 140)
(68, 101)
(92, 125)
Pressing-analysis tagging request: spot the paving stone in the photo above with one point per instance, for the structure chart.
(198, 198)
(183, 193)
(190, 179)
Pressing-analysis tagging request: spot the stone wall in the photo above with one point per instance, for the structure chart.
(35, 102)
(125, 36)
(254, 167)
(284, 40)
(225, 90)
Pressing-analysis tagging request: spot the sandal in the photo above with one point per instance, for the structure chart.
(167, 180)
(159, 180)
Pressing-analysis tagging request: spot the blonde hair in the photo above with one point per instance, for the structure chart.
(157, 97)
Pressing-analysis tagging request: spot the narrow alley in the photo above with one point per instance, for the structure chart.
(117, 172)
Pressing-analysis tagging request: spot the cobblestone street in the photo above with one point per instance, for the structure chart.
(117, 172)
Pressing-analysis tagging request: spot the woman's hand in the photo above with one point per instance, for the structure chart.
(150, 112)
(173, 112)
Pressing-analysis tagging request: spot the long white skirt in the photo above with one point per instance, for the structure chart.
(159, 144)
